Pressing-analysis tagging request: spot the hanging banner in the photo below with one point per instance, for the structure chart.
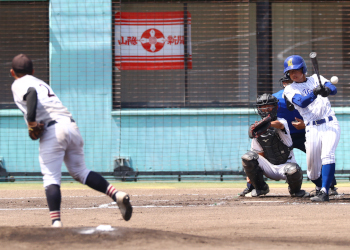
(152, 40)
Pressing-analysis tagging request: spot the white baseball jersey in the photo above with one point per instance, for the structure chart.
(62, 140)
(275, 172)
(319, 108)
(49, 107)
(321, 140)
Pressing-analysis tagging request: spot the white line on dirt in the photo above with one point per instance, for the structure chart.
(21, 209)
(152, 206)
(113, 206)
(260, 201)
(84, 196)
(82, 208)
(24, 198)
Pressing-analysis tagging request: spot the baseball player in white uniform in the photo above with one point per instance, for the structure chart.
(322, 127)
(271, 154)
(60, 139)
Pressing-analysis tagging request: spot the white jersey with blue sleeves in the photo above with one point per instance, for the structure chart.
(319, 108)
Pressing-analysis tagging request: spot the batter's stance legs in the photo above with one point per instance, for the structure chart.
(322, 182)
(333, 189)
(328, 171)
(299, 143)
(326, 180)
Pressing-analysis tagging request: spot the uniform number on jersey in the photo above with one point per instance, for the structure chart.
(48, 91)
(307, 91)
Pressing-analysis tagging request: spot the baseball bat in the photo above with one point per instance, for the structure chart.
(313, 57)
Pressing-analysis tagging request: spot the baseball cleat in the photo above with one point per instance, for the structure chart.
(246, 191)
(257, 192)
(301, 194)
(123, 201)
(321, 197)
(315, 192)
(57, 223)
(333, 191)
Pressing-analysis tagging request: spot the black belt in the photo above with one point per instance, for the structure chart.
(319, 122)
(54, 122)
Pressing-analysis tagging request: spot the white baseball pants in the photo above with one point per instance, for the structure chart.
(321, 143)
(274, 172)
(62, 142)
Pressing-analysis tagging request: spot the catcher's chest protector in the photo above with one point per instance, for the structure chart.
(275, 151)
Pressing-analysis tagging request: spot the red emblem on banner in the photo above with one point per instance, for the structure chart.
(152, 40)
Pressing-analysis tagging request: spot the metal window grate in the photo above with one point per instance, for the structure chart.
(24, 28)
(217, 42)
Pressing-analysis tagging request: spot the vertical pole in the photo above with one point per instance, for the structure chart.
(264, 47)
(185, 55)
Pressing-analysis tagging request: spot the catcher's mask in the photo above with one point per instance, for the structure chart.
(285, 79)
(267, 99)
(295, 62)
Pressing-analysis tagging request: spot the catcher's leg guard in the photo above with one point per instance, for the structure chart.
(253, 171)
(294, 177)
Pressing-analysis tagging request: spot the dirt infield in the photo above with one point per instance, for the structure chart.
(173, 216)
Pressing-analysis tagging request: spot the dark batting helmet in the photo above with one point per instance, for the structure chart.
(295, 62)
(285, 79)
(267, 99)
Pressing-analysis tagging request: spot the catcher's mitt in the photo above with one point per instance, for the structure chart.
(36, 132)
(259, 127)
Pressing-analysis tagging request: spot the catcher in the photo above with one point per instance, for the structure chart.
(271, 152)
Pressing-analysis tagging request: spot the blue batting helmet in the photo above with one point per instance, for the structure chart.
(295, 62)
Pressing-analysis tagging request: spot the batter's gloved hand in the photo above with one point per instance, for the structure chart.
(324, 92)
(259, 127)
(36, 132)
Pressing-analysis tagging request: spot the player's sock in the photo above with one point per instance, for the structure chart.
(334, 182)
(111, 191)
(97, 182)
(318, 182)
(55, 215)
(328, 171)
(53, 196)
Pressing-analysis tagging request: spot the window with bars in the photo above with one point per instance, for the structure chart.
(302, 27)
(200, 56)
(24, 28)
(237, 51)
(204, 53)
